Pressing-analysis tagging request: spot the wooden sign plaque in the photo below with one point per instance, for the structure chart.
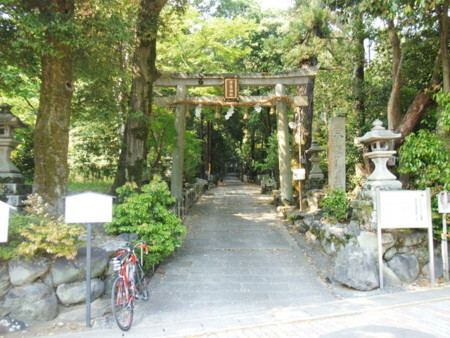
(231, 88)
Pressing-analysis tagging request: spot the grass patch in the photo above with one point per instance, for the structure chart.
(103, 187)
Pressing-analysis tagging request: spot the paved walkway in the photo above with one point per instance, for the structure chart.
(237, 256)
(240, 274)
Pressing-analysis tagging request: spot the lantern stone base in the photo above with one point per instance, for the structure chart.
(15, 190)
(382, 185)
(364, 205)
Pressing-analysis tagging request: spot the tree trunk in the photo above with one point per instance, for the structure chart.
(421, 102)
(394, 111)
(134, 147)
(51, 136)
(358, 73)
(415, 112)
(304, 119)
(443, 39)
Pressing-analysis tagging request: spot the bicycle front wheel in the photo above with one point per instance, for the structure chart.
(122, 304)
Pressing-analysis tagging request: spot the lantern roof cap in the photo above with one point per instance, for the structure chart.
(315, 148)
(9, 119)
(378, 132)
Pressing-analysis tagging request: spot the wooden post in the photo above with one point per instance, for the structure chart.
(284, 156)
(178, 155)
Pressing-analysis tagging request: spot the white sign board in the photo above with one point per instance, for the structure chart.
(88, 207)
(444, 202)
(298, 174)
(4, 221)
(404, 209)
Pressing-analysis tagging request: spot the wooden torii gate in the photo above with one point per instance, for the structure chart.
(231, 84)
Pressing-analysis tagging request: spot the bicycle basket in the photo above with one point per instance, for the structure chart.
(117, 264)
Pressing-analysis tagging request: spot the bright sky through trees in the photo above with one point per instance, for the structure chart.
(275, 4)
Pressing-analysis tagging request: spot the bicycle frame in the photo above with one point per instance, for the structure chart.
(127, 262)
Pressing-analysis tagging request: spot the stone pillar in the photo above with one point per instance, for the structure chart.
(336, 153)
(284, 156)
(178, 155)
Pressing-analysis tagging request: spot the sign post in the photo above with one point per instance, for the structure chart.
(402, 209)
(444, 209)
(4, 221)
(299, 175)
(88, 208)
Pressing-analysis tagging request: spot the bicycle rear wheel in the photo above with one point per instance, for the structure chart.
(141, 282)
(122, 304)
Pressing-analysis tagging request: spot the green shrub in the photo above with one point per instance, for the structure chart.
(425, 159)
(335, 206)
(44, 234)
(146, 213)
(17, 223)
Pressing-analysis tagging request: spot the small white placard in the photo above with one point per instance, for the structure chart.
(298, 174)
(4, 221)
(88, 207)
(444, 202)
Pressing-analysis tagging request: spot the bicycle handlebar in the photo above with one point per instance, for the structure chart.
(121, 252)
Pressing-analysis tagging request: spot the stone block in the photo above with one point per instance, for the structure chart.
(438, 268)
(74, 293)
(32, 302)
(22, 271)
(369, 240)
(391, 252)
(66, 270)
(414, 238)
(390, 278)
(356, 268)
(406, 267)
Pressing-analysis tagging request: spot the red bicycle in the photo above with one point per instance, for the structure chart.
(129, 285)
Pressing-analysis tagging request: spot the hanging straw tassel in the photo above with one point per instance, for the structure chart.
(217, 114)
(246, 115)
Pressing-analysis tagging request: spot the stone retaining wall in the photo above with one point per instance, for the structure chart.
(34, 289)
(355, 252)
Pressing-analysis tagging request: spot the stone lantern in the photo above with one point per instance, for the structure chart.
(315, 176)
(10, 176)
(379, 139)
(315, 172)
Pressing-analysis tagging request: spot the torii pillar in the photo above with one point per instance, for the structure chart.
(284, 156)
(176, 187)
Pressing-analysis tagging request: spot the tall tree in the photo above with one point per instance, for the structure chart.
(310, 24)
(134, 147)
(54, 21)
(442, 11)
